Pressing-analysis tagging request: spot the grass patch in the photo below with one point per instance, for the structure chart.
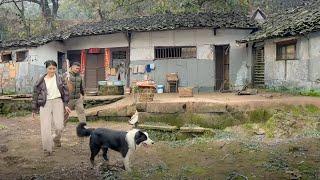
(17, 114)
(162, 136)
(295, 91)
(312, 92)
(312, 108)
(311, 133)
(152, 172)
(2, 127)
(270, 127)
(260, 115)
(192, 170)
(170, 119)
(308, 170)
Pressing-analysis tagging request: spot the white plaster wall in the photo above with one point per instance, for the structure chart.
(301, 72)
(99, 41)
(143, 43)
(46, 52)
(314, 51)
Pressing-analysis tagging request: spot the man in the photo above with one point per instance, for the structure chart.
(76, 92)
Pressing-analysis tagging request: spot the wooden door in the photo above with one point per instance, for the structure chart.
(222, 67)
(94, 71)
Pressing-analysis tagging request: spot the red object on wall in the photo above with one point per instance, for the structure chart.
(107, 59)
(83, 61)
(94, 51)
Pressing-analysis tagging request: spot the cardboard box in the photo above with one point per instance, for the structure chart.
(185, 91)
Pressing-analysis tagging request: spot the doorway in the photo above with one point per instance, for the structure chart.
(61, 57)
(119, 60)
(222, 67)
(258, 67)
(95, 70)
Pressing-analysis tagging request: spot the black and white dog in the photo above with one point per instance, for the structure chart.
(121, 141)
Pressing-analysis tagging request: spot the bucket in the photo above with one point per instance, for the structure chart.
(160, 89)
(110, 83)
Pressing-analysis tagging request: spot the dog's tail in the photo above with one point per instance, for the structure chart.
(82, 131)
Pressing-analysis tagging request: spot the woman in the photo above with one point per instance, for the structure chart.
(50, 97)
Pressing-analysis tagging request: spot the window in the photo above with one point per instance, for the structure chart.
(6, 57)
(286, 50)
(118, 57)
(21, 55)
(175, 52)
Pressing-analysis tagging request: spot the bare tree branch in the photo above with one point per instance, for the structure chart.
(12, 1)
(18, 8)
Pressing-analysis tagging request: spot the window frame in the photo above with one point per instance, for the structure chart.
(25, 54)
(175, 51)
(6, 54)
(285, 44)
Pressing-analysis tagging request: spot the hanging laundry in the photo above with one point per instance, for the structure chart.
(141, 69)
(148, 69)
(152, 67)
(135, 69)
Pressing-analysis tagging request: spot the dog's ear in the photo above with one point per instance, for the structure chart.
(140, 137)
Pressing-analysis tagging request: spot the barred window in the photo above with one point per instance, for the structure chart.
(21, 55)
(6, 57)
(119, 55)
(175, 52)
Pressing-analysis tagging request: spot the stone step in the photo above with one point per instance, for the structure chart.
(175, 128)
(157, 127)
(192, 129)
(259, 65)
(258, 76)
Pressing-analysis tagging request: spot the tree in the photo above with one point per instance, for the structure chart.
(49, 11)
(21, 9)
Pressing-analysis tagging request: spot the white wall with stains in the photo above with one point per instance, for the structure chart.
(46, 52)
(143, 43)
(98, 41)
(301, 72)
(198, 72)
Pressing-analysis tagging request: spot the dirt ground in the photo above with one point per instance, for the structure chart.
(223, 157)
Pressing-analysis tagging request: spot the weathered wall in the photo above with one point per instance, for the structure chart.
(302, 72)
(46, 52)
(19, 77)
(199, 72)
(314, 44)
(100, 41)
